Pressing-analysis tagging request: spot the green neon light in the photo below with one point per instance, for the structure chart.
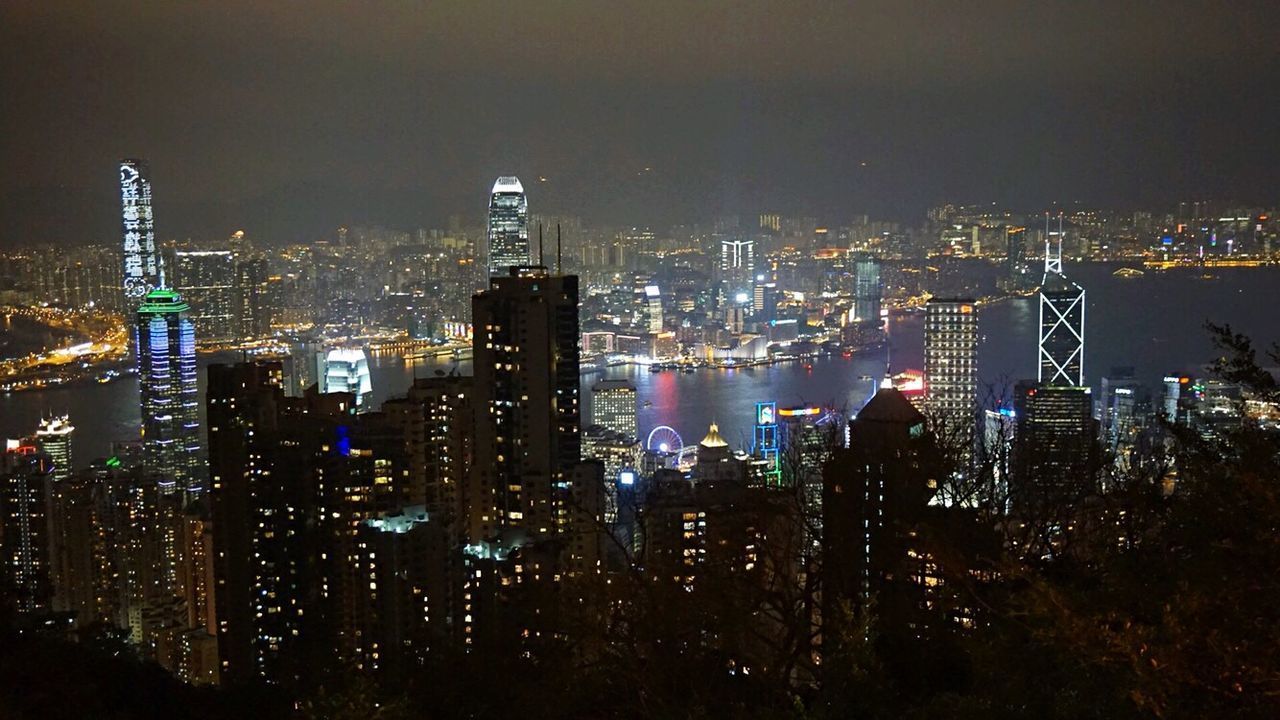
(163, 301)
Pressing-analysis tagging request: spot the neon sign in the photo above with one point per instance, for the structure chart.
(141, 268)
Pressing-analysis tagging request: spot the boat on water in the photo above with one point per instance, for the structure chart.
(1128, 272)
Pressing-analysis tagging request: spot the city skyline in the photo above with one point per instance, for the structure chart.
(792, 417)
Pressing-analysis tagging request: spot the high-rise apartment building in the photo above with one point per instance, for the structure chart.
(142, 270)
(527, 405)
(508, 226)
(207, 281)
(166, 353)
(25, 478)
(437, 421)
(613, 406)
(951, 358)
(281, 483)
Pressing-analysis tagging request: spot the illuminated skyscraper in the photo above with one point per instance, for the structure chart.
(613, 406)
(54, 437)
(142, 271)
(508, 226)
(653, 306)
(951, 357)
(1061, 345)
(207, 281)
(737, 265)
(867, 290)
(166, 345)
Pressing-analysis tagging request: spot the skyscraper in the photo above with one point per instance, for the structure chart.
(508, 226)
(1061, 344)
(951, 357)
(1123, 410)
(142, 271)
(252, 320)
(207, 281)
(613, 406)
(1053, 451)
(54, 438)
(653, 307)
(526, 400)
(867, 290)
(737, 265)
(166, 345)
(873, 493)
(1016, 276)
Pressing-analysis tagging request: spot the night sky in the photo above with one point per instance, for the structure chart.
(288, 118)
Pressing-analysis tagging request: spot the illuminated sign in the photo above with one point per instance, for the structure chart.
(799, 412)
(767, 439)
(766, 413)
(457, 330)
(627, 477)
(141, 267)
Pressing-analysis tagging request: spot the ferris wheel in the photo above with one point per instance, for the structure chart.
(665, 439)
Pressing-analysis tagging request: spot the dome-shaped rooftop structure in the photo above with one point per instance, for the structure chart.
(713, 439)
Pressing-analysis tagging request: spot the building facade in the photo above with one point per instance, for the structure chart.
(142, 270)
(207, 281)
(508, 226)
(951, 357)
(613, 406)
(166, 347)
(54, 438)
(527, 406)
(867, 289)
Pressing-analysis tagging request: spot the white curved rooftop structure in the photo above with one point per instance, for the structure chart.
(346, 355)
(508, 184)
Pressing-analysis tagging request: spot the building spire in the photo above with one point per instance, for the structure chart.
(1052, 251)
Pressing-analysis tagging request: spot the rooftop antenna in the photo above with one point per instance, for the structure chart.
(559, 257)
(539, 243)
(1052, 256)
(887, 380)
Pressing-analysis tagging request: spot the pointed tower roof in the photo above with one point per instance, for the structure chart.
(713, 439)
(889, 406)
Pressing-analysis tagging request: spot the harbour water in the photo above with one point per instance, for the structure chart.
(1153, 323)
